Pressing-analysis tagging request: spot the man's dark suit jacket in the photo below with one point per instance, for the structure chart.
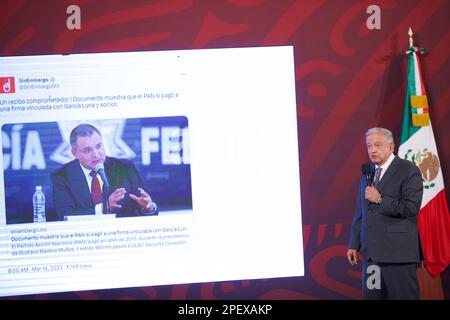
(388, 232)
(71, 195)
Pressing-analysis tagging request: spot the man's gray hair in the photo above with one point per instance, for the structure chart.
(387, 134)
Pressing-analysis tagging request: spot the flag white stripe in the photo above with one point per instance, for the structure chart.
(424, 139)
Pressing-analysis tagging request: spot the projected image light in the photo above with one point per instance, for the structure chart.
(209, 135)
(158, 147)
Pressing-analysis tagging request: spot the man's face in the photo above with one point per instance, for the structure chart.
(378, 148)
(89, 151)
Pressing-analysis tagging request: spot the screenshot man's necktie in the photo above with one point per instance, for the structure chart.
(377, 176)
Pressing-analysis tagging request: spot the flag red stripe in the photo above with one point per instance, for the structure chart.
(434, 230)
(349, 101)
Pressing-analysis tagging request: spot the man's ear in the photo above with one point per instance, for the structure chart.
(73, 150)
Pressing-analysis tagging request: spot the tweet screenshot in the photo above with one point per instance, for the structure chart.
(148, 168)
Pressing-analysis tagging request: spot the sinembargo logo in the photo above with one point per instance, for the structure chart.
(7, 85)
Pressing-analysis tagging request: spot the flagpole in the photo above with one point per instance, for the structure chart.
(410, 34)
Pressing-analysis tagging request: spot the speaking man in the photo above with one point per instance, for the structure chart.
(384, 227)
(93, 183)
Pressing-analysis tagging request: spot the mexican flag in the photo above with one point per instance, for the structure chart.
(417, 144)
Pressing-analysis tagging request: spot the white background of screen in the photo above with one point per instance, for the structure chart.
(240, 103)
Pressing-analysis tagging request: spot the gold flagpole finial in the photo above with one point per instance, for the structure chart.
(410, 33)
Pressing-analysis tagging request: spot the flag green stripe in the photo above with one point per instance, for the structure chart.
(407, 128)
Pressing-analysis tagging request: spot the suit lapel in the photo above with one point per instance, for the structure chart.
(389, 173)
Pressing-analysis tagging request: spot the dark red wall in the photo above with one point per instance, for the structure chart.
(349, 78)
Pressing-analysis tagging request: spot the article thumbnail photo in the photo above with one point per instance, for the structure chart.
(67, 170)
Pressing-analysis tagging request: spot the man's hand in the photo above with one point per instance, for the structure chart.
(144, 201)
(352, 256)
(372, 194)
(115, 197)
